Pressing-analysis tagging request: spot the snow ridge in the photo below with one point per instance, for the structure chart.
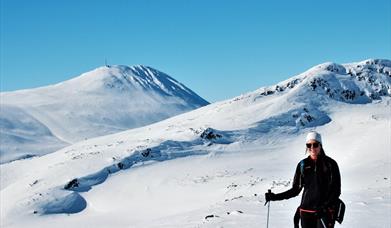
(100, 102)
(356, 83)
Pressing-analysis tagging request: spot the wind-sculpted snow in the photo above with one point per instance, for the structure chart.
(58, 201)
(291, 121)
(165, 151)
(20, 130)
(63, 202)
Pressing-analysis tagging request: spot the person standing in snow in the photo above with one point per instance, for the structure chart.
(319, 175)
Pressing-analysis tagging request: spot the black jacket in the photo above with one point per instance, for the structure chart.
(321, 181)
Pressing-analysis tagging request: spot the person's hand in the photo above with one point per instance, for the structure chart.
(270, 196)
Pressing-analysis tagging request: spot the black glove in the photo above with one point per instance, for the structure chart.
(270, 196)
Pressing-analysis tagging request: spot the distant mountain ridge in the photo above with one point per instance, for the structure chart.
(106, 100)
(359, 82)
(303, 100)
(116, 98)
(125, 79)
(348, 103)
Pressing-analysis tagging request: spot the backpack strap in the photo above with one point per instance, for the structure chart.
(302, 167)
(301, 173)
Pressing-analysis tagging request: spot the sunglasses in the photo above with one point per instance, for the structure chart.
(313, 145)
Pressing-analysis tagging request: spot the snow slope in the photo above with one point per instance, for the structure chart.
(24, 135)
(210, 167)
(100, 102)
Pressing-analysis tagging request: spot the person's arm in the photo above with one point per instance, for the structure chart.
(297, 185)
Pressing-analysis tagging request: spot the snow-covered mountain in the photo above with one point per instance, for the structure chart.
(210, 167)
(100, 102)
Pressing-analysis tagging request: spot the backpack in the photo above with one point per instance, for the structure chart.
(339, 211)
(338, 208)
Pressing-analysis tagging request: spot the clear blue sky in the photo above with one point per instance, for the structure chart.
(218, 48)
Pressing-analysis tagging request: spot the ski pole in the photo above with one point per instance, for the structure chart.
(324, 225)
(268, 210)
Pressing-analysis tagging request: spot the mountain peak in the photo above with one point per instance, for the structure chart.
(331, 67)
(103, 101)
(359, 82)
(370, 64)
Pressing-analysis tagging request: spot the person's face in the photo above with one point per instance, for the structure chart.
(313, 148)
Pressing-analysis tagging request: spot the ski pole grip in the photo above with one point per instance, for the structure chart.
(268, 191)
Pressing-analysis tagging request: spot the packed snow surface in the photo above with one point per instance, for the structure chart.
(210, 167)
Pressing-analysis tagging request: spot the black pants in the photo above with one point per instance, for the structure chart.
(310, 220)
